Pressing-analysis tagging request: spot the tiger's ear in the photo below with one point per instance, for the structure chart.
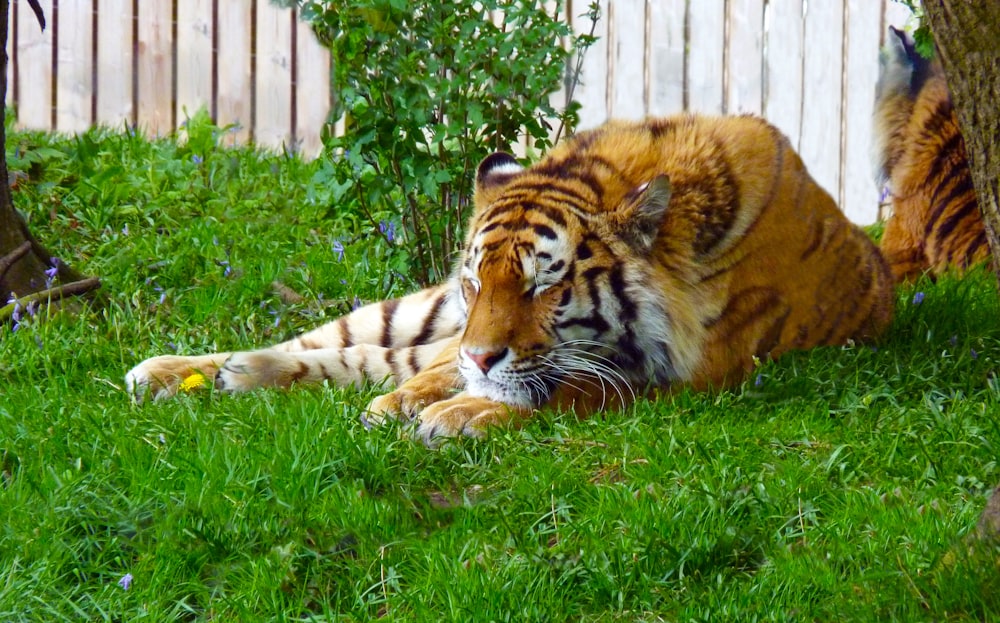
(495, 172)
(641, 213)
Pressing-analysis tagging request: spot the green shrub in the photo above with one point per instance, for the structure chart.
(427, 92)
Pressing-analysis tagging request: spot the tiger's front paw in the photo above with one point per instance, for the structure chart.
(401, 404)
(463, 415)
(162, 377)
(411, 398)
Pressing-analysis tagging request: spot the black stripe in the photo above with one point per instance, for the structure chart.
(390, 360)
(430, 323)
(346, 339)
(388, 311)
(567, 296)
(594, 322)
(660, 126)
(545, 231)
(969, 207)
(308, 344)
(942, 114)
(617, 282)
(975, 246)
(943, 157)
(412, 361)
(301, 372)
(939, 205)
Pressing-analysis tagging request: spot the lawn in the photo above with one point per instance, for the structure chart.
(840, 484)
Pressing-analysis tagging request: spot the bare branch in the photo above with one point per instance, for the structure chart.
(50, 295)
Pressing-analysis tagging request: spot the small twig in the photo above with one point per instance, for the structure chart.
(287, 295)
(11, 258)
(50, 295)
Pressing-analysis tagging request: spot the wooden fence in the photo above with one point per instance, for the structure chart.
(808, 66)
(151, 63)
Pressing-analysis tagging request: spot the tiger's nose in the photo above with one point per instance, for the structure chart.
(486, 360)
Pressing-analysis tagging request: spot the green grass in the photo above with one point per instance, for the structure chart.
(839, 484)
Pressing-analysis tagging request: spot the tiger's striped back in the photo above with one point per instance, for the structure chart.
(920, 160)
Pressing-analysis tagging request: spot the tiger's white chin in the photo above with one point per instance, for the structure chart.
(485, 388)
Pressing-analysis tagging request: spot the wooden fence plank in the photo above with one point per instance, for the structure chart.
(273, 122)
(860, 197)
(821, 119)
(312, 90)
(705, 56)
(194, 58)
(665, 50)
(627, 43)
(154, 81)
(11, 29)
(114, 63)
(34, 68)
(75, 66)
(592, 92)
(783, 67)
(233, 106)
(745, 57)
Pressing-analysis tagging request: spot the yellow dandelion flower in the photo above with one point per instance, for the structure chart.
(192, 382)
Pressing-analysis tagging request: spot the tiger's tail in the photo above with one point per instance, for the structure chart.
(902, 74)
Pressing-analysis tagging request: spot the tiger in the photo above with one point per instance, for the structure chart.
(920, 160)
(631, 261)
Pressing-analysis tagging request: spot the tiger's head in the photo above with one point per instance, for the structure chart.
(552, 293)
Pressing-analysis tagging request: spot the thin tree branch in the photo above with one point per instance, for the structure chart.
(50, 295)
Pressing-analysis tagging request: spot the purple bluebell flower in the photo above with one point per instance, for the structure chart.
(388, 229)
(357, 303)
(16, 314)
(918, 298)
(759, 380)
(51, 272)
(973, 353)
(195, 158)
(125, 230)
(126, 581)
(338, 249)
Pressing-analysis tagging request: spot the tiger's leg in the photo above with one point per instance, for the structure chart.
(353, 365)
(437, 381)
(421, 318)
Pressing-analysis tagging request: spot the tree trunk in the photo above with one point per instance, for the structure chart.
(967, 34)
(23, 261)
